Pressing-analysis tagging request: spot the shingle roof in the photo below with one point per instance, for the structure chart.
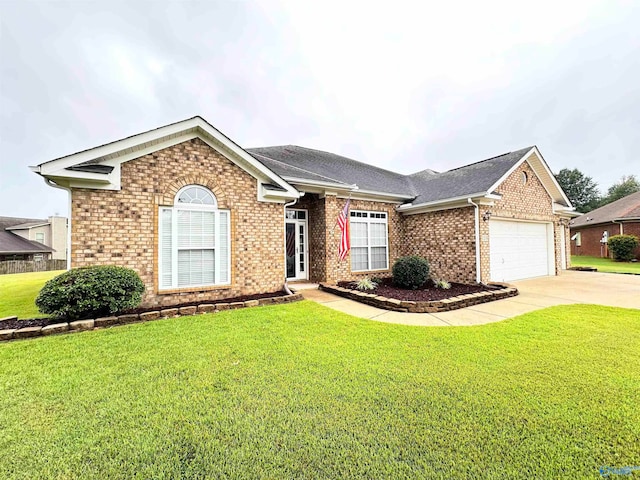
(467, 180)
(292, 171)
(424, 186)
(626, 208)
(334, 168)
(12, 243)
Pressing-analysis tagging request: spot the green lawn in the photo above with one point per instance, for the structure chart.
(18, 292)
(302, 391)
(605, 264)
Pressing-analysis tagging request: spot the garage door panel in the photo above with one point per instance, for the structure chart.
(518, 250)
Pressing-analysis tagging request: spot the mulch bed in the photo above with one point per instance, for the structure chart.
(43, 322)
(31, 322)
(427, 293)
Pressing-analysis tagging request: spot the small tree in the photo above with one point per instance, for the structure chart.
(622, 247)
(410, 272)
(91, 292)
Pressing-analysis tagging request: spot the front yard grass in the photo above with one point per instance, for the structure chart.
(302, 391)
(605, 264)
(18, 292)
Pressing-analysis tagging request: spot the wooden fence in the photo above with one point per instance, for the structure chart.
(23, 266)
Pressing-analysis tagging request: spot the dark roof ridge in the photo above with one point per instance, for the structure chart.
(428, 171)
(488, 159)
(294, 166)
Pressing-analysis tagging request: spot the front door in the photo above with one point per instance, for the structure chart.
(296, 244)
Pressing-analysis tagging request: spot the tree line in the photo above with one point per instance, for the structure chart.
(583, 191)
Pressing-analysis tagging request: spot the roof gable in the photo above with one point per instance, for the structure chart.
(99, 167)
(546, 177)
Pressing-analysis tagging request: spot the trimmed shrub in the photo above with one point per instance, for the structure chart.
(622, 247)
(410, 272)
(91, 292)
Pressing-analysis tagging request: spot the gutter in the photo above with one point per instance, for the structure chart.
(477, 222)
(51, 183)
(410, 206)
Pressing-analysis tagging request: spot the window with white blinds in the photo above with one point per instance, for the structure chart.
(194, 241)
(369, 241)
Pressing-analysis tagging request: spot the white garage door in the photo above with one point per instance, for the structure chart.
(519, 250)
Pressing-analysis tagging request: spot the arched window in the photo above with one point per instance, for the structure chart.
(195, 195)
(194, 243)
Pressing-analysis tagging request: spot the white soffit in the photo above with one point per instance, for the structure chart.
(115, 153)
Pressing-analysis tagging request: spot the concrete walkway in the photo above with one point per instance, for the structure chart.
(610, 289)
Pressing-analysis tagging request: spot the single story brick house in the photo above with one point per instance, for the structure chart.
(590, 232)
(199, 217)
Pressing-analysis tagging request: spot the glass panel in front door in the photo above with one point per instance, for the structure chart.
(290, 248)
(301, 252)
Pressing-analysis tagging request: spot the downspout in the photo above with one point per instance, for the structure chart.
(285, 287)
(51, 183)
(621, 227)
(477, 221)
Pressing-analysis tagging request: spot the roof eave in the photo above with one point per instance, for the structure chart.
(18, 227)
(605, 222)
(482, 198)
(25, 252)
(135, 146)
(343, 189)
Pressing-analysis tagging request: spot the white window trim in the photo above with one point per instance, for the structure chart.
(174, 242)
(368, 220)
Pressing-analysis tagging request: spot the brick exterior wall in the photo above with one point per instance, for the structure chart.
(317, 235)
(592, 234)
(338, 270)
(447, 240)
(522, 201)
(324, 236)
(120, 227)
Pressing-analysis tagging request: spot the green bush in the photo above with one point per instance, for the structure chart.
(622, 247)
(91, 292)
(410, 272)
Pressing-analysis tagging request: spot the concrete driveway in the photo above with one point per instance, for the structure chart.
(610, 289)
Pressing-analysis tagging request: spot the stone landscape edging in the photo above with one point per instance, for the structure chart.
(91, 324)
(435, 306)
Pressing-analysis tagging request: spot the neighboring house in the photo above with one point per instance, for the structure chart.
(33, 238)
(590, 232)
(199, 217)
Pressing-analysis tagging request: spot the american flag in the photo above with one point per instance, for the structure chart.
(343, 223)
